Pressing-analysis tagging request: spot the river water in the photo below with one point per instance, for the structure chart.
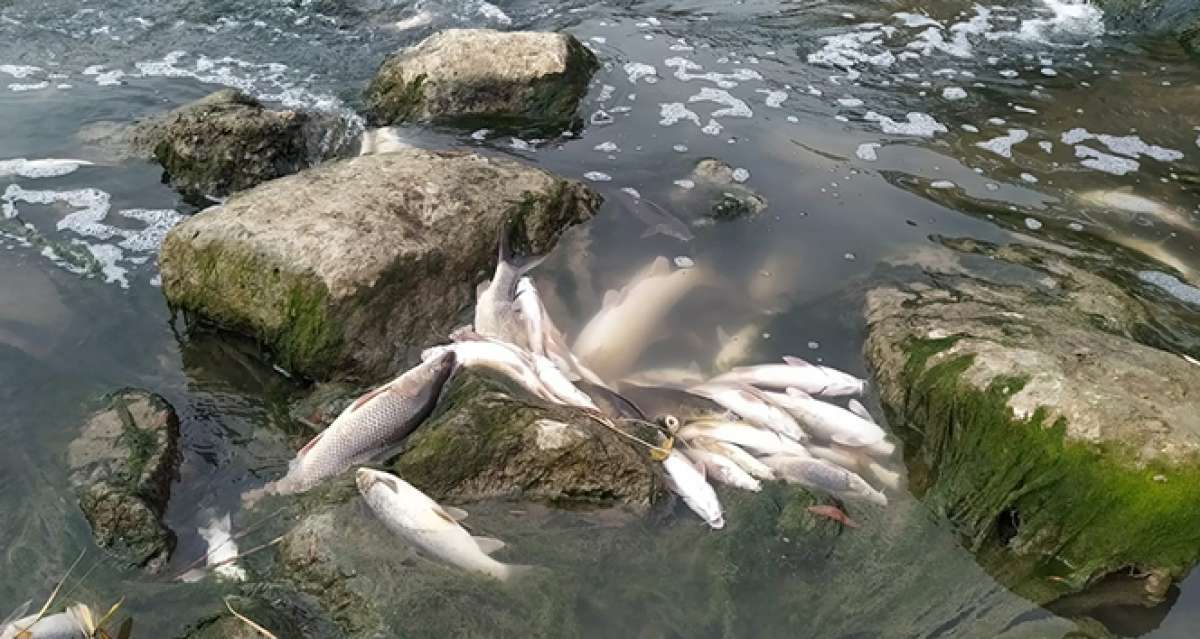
(868, 127)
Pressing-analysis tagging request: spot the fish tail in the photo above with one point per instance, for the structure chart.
(251, 497)
(515, 572)
(514, 265)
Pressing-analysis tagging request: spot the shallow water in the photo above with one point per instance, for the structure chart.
(867, 128)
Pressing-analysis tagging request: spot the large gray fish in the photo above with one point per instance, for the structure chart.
(428, 527)
(659, 221)
(73, 623)
(497, 312)
(374, 423)
(819, 474)
(544, 336)
(657, 401)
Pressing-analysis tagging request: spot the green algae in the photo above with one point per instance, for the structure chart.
(1047, 515)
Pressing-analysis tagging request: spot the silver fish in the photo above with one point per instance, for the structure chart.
(375, 422)
(857, 460)
(721, 468)
(73, 623)
(496, 310)
(615, 337)
(834, 423)
(751, 405)
(545, 337)
(821, 475)
(820, 381)
(428, 527)
(734, 453)
(534, 373)
(659, 221)
(689, 483)
(755, 438)
(736, 348)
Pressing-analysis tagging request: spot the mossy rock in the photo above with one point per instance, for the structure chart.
(482, 77)
(347, 269)
(122, 465)
(486, 442)
(1063, 449)
(279, 609)
(223, 143)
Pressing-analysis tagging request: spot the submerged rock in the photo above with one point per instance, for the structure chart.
(343, 266)
(1063, 448)
(483, 443)
(279, 609)
(720, 185)
(122, 465)
(223, 143)
(479, 77)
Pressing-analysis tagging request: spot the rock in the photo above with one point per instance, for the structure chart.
(1177, 17)
(122, 465)
(343, 266)
(279, 609)
(482, 77)
(483, 443)
(718, 184)
(1063, 448)
(223, 143)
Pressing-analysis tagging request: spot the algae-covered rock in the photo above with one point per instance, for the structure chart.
(278, 609)
(484, 443)
(343, 267)
(720, 186)
(481, 76)
(223, 143)
(122, 465)
(1063, 448)
(1177, 17)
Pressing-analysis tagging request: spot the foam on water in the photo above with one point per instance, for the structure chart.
(1074, 18)
(683, 66)
(640, 71)
(1002, 146)
(919, 124)
(1101, 161)
(18, 87)
(773, 99)
(40, 168)
(19, 71)
(734, 107)
(954, 93)
(597, 176)
(866, 151)
(671, 112)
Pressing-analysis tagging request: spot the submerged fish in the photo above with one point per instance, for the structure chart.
(659, 221)
(735, 349)
(834, 423)
(73, 623)
(821, 381)
(373, 423)
(689, 483)
(721, 468)
(673, 376)
(755, 438)
(497, 312)
(428, 527)
(1130, 202)
(751, 405)
(612, 341)
(819, 474)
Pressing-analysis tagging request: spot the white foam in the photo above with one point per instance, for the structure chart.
(919, 124)
(683, 67)
(492, 12)
(1002, 146)
(773, 99)
(1172, 285)
(954, 93)
(1130, 145)
(19, 71)
(913, 20)
(846, 50)
(1027, 177)
(712, 128)
(1100, 161)
(1074, 18)
(671, 112)
(850, 103)
(1023, 109)
(866, 151)
(607, 147)
(631, 192)
(1046, 146)
(606, 93)
(19, 87)
(44, 168)
(685, 184)
(640, 71)
(970, 128)
(597, 176)
(416, 21)
(1032, 224)
(740, 175)
(942, 184)
(734, 107)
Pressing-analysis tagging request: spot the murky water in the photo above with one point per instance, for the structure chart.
(868, 128)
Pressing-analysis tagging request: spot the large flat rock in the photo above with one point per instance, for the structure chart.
(482, 77)
(340, 268)
(1065, 449)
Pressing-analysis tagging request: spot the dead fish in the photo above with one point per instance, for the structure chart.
(821, 381)
(221, 554)
(659, 221)
(73, 623)
(656, 401)
(852, 428)
(858, 461)
(734, 453)
(430, 528)
(612, 341)
(544, 336)
(688, 481)
(495, 356)
(821, 475)
(754, 438)
(611, 403)
(735, 349)
(751, 405)
(834, 513)
(721, 468)
(496, 308)
(676, 376)
(373, 423)
(1124, 199)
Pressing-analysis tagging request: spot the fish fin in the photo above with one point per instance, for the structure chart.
(660, 266)
(312, 442)
(358, 403)
(457, 513)
(651, 231)
(488, 545)
(795, 361)
(521, 265)
(890, 479)
(857, 408)
(723, 338)
(481, 287)
(389, 481)
(796, 392)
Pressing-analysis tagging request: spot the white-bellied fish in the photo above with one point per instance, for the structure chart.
(819, 474)
(495, 356)
(858, 460)
(73, 623)
(751, 405)
(736, 454)
(673, 376)
(821, 381)
(496, 309)
(428, 527)
(735, 349)
(628, 321)
(221, 553)
(545, 337)
(755, 438)
(721, 468)
(834, 423)
(374, 423)
(689, 483)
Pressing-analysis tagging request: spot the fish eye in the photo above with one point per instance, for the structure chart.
(671, 422)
